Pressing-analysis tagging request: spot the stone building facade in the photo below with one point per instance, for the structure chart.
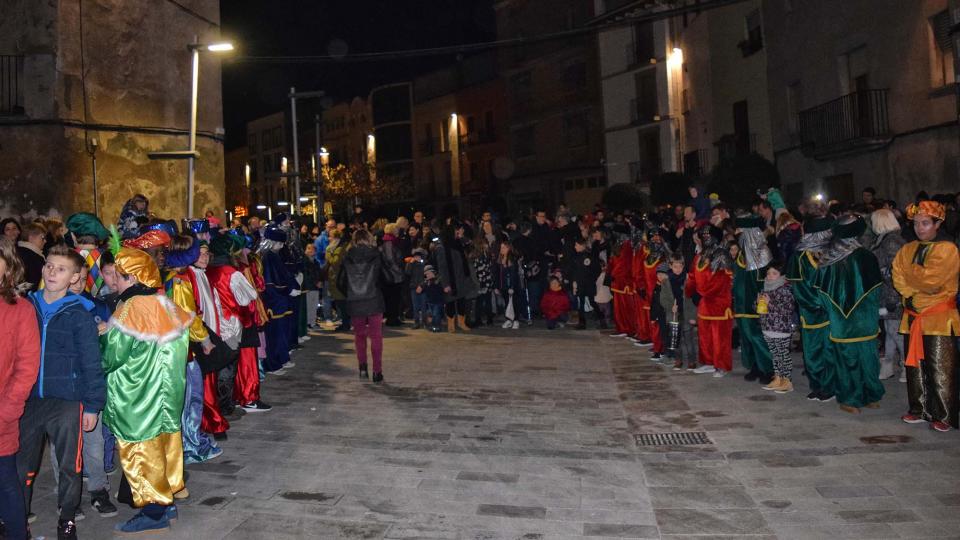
(555, 131)
(98, 85)
(863, 93)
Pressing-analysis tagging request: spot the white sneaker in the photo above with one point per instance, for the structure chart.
(718, 373)
(289, 364)
(507, 324)
(516, 325)
(903, 375)
(705, 369)
(619, 334)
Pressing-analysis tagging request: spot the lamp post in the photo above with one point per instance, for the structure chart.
(296, 151)
(191, 154)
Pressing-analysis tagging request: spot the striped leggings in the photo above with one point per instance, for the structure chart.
(782, 359)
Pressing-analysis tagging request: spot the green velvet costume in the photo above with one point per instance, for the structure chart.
(849, 288)
(749, 271)
(819, 356)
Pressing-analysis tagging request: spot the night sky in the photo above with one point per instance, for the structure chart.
(304, 27)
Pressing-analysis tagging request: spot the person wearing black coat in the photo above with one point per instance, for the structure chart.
(585, 271)
(363, 266)
(30, 251)
(393, 274)
(455, 276)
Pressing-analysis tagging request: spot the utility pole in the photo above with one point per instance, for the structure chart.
(296, 150)
(319, 162)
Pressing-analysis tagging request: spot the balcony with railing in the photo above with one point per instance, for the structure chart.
(11, 89)
(734, 145)
(855, 122)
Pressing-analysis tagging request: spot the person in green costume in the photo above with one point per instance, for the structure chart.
(849, 283)
(819, 359)
(749, 270)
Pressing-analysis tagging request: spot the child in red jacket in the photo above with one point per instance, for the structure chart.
(555, 304)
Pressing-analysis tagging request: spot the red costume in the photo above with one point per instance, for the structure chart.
(714, 316)
(643, 295)
(621, 285)
(650, 283)
(246, 388)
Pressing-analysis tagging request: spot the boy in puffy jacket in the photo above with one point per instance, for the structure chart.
(70, 389)
(555, 304)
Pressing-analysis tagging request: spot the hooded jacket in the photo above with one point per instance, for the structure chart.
(69, 352)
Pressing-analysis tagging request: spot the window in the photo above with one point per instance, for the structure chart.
(474, 173)
(754, 39)
(523, 142)
(941, 50)
(575, 130)
(11, 87)
(575, 76)
(252, 143)
(643, 44)
(521, 84)
(444, 135)
(646, 107)
(794, 99)
(254, 171)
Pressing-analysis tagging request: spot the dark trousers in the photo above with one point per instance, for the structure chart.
(12, 511)
(59, 421)
(419, 303)
(342, 311)
(393, 302)
(534, 293)
(932, 387)
(457, 307)
(582, 300)
(484, 309)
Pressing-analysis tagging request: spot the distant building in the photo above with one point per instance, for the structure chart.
(681, 93)
(555, 131)
(863, 93)
(344, 130)
(390, 146)
(267, 154)
(459, 126)
(72, 105)
(237, 175)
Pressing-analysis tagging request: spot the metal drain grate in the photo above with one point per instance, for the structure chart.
(672, 439)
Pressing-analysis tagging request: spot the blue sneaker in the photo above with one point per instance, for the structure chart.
(141, 523)
(171, 514)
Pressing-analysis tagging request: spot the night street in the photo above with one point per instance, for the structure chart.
(531, 434)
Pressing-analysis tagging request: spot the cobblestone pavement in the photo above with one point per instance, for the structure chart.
(531, 434)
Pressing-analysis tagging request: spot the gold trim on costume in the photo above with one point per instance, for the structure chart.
(854, 339)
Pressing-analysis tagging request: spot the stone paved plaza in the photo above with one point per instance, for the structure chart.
(533, 434)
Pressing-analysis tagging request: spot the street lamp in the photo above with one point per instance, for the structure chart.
(191, 154)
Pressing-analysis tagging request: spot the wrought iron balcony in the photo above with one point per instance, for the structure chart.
(854, 122)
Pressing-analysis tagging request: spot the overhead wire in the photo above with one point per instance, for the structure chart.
(483, 46)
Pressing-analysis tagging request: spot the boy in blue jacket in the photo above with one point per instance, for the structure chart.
(71, 388)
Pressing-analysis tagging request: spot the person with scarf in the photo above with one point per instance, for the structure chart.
(819, 356)
(234, 295)
(657, 253)
(749, 270)
(134, 212)
(180, 286)
(210, 416)
(247, 388)
(281, 289)
(144, 358)
(886, 243)
(712, 283)
(849, 283)
(642, 299)
(454, 270)
(925, 272)
(86, 231)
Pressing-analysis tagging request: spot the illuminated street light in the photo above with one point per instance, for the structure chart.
(283, 203)
(191, 154)
(220, 47)
(261, 207)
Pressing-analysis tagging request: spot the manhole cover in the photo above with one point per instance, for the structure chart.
(672, 439)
